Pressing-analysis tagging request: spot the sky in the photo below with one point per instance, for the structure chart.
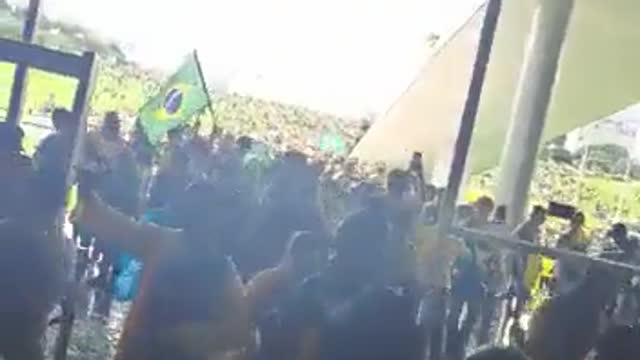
(349, 57)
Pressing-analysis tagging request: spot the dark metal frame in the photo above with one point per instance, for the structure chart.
(83, 69)
(79, 67)
(446, 225)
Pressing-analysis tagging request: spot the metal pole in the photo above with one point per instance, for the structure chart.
(583, 167)
(622, 201)
(468, 120)
(81, 101)
(526, 247)
(535, 86)
(212, 114)
(16, 101)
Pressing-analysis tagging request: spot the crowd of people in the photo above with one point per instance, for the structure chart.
(566, 183)
(251, 251)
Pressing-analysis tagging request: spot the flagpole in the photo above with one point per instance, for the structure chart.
(583, 168)
(214, 124)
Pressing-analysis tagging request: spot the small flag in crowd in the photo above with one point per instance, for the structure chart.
(334, 144)
(181, 97)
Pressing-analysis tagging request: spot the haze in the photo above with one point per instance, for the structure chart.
(351, 57)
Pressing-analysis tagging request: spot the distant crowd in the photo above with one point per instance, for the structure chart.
(255, 251)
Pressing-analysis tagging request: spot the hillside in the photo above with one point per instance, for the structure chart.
(58, 35)
(114, 72)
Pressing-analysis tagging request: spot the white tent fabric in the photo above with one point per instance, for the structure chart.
(597, 77)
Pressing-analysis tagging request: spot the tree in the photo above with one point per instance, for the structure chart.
(609, 152)
(605, 157)
(559, 141)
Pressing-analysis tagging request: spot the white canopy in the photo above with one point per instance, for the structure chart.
(597, 77)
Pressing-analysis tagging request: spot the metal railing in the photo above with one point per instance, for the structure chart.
(529, 248)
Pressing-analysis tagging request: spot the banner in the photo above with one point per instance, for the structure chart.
(182, 96)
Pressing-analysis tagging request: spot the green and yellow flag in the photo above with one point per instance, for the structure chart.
(181, 97)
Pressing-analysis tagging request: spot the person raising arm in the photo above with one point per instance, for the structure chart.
(191, 302)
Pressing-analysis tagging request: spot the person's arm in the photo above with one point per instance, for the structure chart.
(262, 287)
(106, 223)
(41, 150)
(234, 329)
(518, 232)
(306, 314)
(564, 241)
(454, 248)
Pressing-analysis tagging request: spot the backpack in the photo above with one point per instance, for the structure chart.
(127, 281)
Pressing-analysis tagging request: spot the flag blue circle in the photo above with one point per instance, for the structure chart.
(173, 101)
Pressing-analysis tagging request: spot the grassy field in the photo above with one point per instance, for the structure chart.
(114, 90)
(40, 85)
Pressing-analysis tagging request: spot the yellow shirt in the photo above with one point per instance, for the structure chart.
(576, 240)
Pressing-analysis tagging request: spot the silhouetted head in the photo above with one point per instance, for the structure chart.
(175, 136)
(483, 207)
(226, 142)
(498, 353)
(538, 215)
(361, 241)
(500, 215)
(295, 180)
(209, 216)
(294, 159)
(398, 183)
(365, 125)
(111, 125)
(578, 220)
(416, 163)
(619, 234)
(10, 138)
(62, 120)
(244, 143)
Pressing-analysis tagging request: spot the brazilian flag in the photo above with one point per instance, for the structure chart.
(182, 96)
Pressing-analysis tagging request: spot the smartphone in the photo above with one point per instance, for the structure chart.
(562, 211)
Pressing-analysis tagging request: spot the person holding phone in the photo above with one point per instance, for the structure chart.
(568, 273)
(575, 238)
